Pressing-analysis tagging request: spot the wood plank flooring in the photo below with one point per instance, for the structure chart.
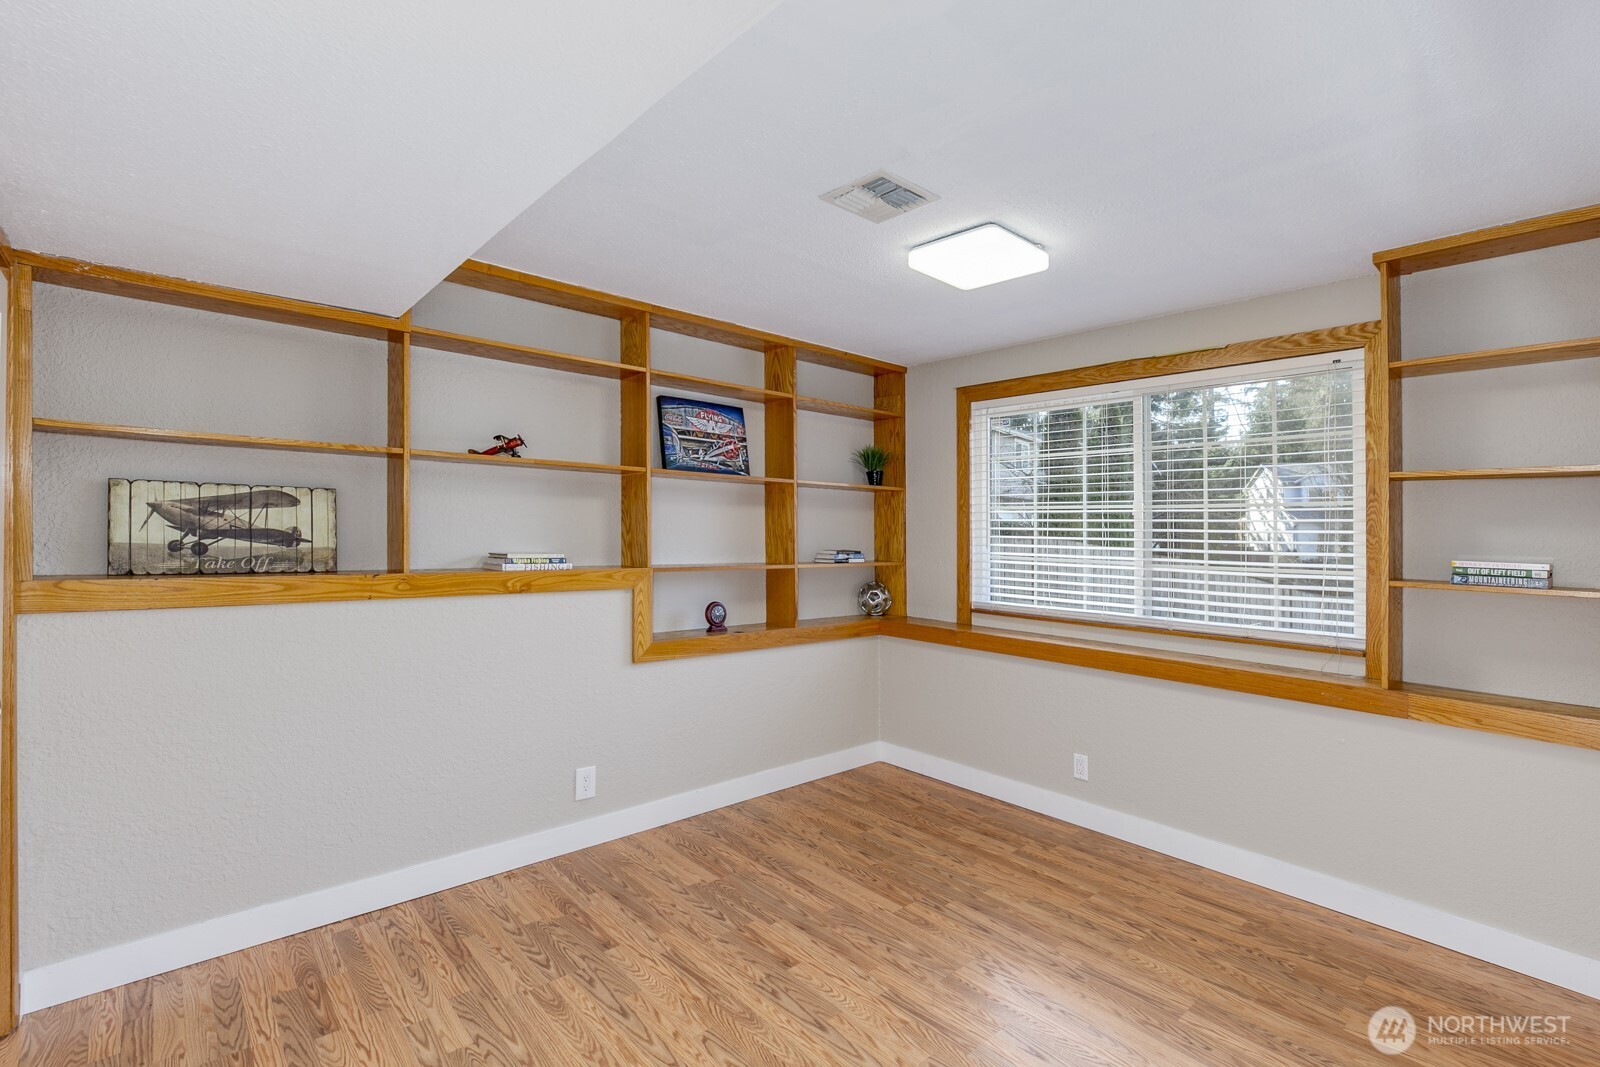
(875, 917)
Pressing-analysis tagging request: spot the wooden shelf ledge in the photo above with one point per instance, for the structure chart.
(691, 383)
(524, 461)
(180, 292)
(731, 479)
(854, 563)
(1581, 471)
(1540, 720)
(89, 592)
(669, 568)
(510, 282)
(191, 437)
(493, 278)
(1420, 583)
(1494, 358)
(681, 644)
(461, 344)
(859, 487)
(1524, 235)
(849, 411)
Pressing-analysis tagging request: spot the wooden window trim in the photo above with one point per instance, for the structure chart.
(1363, 335)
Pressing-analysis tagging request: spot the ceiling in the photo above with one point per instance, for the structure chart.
(351, 153)
(1168, 154)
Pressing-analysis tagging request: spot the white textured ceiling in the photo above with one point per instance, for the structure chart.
(351, 152)
(1169, 154)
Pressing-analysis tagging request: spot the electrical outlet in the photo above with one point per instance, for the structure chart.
(1080, 766)
(585, 784)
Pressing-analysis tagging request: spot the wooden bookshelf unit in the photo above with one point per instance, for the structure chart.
(780, 357)
(1386, 584)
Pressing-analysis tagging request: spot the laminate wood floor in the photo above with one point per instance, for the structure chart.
(873, 917)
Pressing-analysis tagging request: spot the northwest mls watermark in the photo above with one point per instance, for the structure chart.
(1394, 1030)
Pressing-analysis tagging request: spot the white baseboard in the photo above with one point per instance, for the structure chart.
(1512, 951)
(120, 964)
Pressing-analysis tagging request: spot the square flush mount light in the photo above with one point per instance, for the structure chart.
(977, 257)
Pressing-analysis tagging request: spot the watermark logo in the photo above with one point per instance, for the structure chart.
(1391, 1030)
(1394, 1030)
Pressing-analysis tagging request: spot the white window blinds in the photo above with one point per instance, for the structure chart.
(1227, 501)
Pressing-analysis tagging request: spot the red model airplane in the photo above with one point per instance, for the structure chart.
(503, 446)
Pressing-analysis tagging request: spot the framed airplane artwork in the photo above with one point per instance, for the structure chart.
(158, 527)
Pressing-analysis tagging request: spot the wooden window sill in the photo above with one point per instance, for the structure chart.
(1540, 720)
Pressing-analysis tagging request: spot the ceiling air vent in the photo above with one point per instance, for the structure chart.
(879, 197)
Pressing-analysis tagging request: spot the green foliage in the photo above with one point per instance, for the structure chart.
(872, 458)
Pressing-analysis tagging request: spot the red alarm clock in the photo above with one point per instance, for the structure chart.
(717, 616)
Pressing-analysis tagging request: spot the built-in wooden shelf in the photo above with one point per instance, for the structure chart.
(636, 320)
(707, 476)
(1491, 358)
(524, 461)
(859, 487)
(100, 592)
(1582, 471)
(679, 644)
(849, 411)
(462, 344)
(192, 437)
(694, 384)
(1419, 583)
(667, 568)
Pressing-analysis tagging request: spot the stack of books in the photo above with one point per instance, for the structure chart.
(527, 561)
(1505, 575)
(840, 555)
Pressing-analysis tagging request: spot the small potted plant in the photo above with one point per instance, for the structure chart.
(873, 460)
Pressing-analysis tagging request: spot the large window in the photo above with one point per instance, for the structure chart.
(1225, 501)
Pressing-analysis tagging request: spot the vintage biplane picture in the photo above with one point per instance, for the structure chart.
(701, 436)
(158, 527)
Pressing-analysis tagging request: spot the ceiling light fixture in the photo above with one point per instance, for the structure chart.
(977, 257)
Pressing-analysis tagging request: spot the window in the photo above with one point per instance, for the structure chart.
(1223, 501)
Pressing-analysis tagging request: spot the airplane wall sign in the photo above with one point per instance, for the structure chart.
(697, 435)
(158, 527)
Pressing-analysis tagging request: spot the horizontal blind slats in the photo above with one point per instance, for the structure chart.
(1230, 500)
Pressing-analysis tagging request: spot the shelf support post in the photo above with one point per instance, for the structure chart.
(18, 569)
(783, 586)
(1385, 638)
(399, 464)
(635, 440)
(889, 509)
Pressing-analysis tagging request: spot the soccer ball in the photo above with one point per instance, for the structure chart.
(874, 599)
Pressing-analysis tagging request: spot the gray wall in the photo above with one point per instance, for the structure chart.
(181, 765)
(1491, 828)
